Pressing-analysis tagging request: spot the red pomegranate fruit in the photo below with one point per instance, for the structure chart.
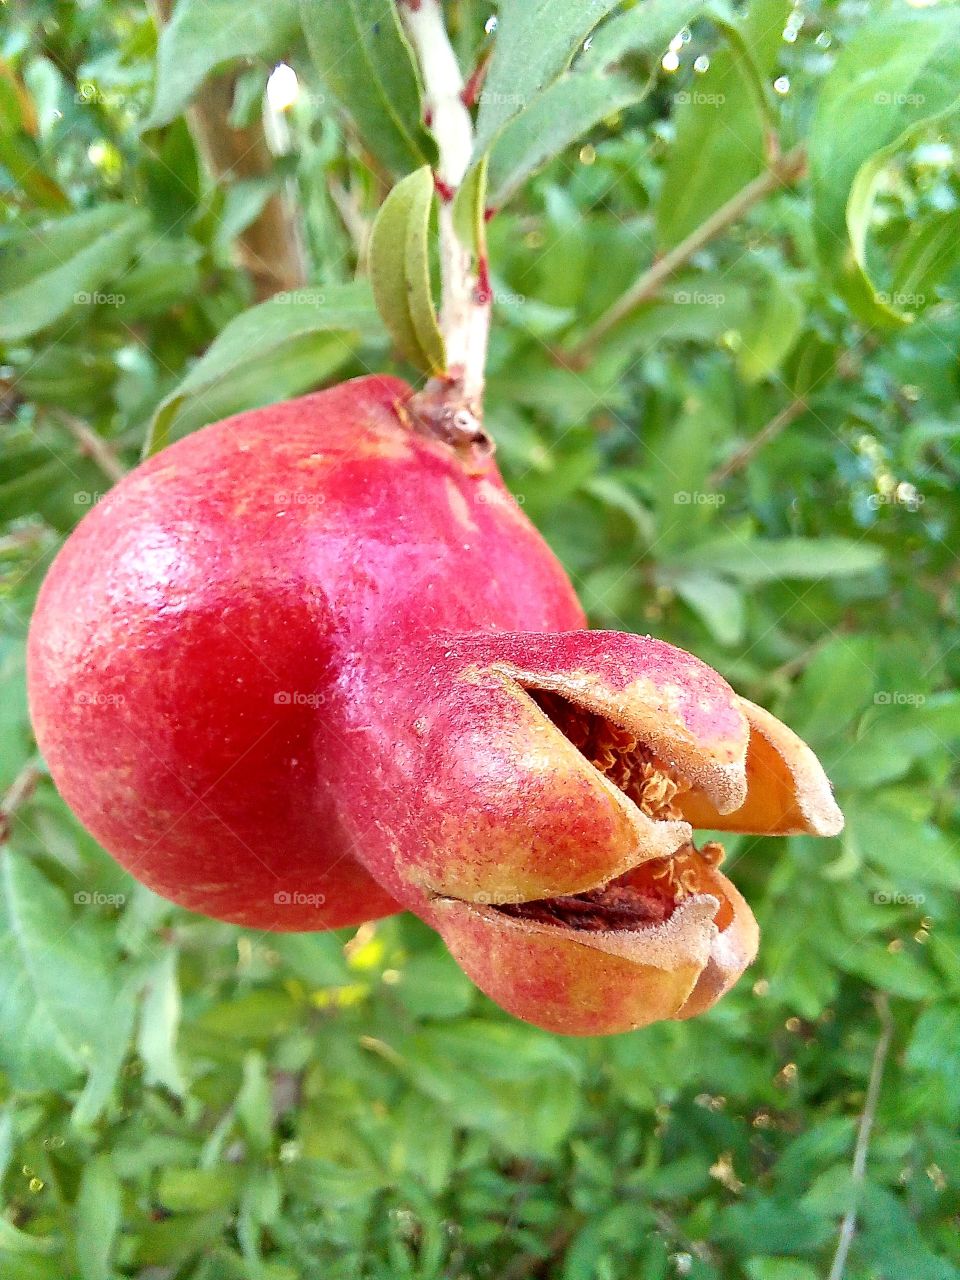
(312, 665)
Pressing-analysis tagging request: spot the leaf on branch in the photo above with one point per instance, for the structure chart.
(721, 125)
(59, 264)
(277, 349)
(400, 271)
(549, 80)
(757, 560)
(899, 74)
(362, 57)
(204, 35)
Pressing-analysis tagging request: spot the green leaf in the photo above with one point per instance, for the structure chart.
(107, 1062)
(930, 253)
(98, 1219)
(363, 58)
(779, 1269)
(718, 603)
(773, 559)
(56, 985)
(58, 265)
(555, 118)
(645, 28)
(434, 986)
(400, 271)
(272, 351)
(203, 35)
(772, 327)
(198, 1190)
(159, 1023)
(721, 126)
(254, 1106)
(551, 105)
(836, 686)
(536, 41)
(889, 836)
(469, 208)
(899, 73)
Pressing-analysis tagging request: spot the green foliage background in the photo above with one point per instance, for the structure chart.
(182, 1099)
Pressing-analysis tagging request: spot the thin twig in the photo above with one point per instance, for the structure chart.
(348, 207)
(780, 173)
(19, 792)
(737, 461)
(465, 303)
(92, 444)
(858, 1171)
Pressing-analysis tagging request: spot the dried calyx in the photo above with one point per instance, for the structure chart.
(649, 893)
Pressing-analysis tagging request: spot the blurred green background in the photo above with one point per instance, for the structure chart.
(758, 463)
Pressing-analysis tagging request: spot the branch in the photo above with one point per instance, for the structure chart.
(737, 461)
(20, 791)
(91, 444)
(781, 172)
(858, 1172)
(465, 301)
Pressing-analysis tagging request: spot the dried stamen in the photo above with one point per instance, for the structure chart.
(649, 893)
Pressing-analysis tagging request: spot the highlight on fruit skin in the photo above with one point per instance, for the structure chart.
(312, 665)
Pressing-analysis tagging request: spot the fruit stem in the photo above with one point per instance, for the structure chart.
(465, 305)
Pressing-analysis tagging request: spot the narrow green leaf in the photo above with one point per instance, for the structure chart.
(721, 130)
(48, 269)
(555, 118)
(203, 35)
(400, 271)
(564, 86)
(469, 208)
(536, 41)
(718, 604)
(98, 1219)
(773, 559)
(772, 326)
(159, 1024)
(647, 28)
(56, 983)
(898, 74)
(107, 1062)
(363, 59)
(930, 253)
(274, 350)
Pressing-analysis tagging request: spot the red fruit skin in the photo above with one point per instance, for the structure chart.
(271, 556)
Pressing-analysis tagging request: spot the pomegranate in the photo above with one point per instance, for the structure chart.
(312, 665)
